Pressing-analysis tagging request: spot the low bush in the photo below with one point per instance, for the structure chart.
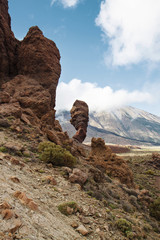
(3, 149)
(155, 209)
(55, 154)
(68, 208)
(123, 225)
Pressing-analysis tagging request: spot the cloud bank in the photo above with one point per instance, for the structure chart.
(133, 30)
(97, 98)
(66, 3)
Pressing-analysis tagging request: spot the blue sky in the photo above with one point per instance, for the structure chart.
(110, 49)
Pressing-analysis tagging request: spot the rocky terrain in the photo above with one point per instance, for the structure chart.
(53, 186)
(32, 191)
(126, 126)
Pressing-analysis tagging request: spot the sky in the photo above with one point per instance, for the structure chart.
(110, 49)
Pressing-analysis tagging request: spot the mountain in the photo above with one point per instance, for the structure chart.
(126, 125)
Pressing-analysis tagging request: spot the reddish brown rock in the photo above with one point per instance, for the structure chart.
(10, 110)
(38, 58)
(29, 94)
(7, 214)
(8, 45)
(15, 179)
(79, 119)
(77, 176)
(50, 180)
(4, 97)
(155, 160)
(102, 157)
(35, 65)
(25, 200)
(29, 74)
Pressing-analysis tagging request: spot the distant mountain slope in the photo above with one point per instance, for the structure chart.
(126, 125)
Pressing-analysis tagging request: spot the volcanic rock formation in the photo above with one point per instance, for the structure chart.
(8, 45)
(79, 119)
(38, 58)
(29, 74)
(102, 157)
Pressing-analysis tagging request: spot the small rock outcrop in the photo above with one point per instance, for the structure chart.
(79, 119)
(102, 157)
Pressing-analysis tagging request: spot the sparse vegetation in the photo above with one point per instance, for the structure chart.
(155, 209)
(124, 226)
(3, 149)
(68, 208)
(149, 172)
(55, 154)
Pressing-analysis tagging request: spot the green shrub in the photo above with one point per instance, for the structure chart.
(63, 208)
(123, 225)
(55, 154)
(155, 209)
(149, 172)
(3, 149)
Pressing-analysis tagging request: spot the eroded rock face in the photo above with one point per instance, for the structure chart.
(79, 119)
(8, 45)
(38, 58)
(29, 74)
(102, 157)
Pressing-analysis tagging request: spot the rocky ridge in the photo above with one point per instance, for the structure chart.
(125, 126)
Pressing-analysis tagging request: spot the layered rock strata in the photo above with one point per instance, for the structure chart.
(79, 119)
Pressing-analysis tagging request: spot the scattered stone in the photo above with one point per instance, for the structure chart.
(5, 205)
(50, 180)
(81, 229)
(77, 176)
(14, 147)
(17, 224)
(4, 123)
(25, 200)
(7, 214)
(74, 224)
(15, 179)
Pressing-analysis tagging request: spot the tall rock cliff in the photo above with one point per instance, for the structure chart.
(29, 74)
(8, 45)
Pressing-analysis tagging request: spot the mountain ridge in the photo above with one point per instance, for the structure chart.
(127, 125)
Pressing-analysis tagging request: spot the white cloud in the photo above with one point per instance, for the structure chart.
(133, 30)
(66, 3)
(97, 98)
